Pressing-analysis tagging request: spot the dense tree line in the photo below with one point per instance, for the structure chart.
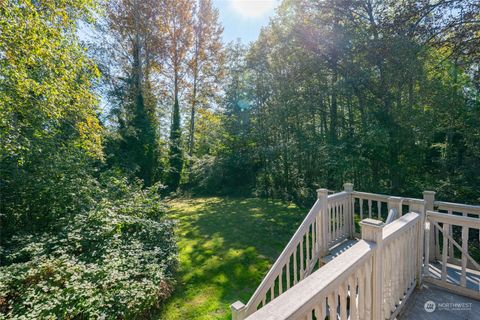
(380, 93)
(375, 92)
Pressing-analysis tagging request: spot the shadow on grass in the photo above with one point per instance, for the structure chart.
(226, 246)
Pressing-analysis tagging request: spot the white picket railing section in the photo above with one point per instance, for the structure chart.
(377, 206)
(443, 223)
(344, 280)
(373, 278)
(339, 218)
(327, 223)
(402, 240)
(352, 286)
(370, 204)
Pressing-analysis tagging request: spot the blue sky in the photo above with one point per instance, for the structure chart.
(244, 18)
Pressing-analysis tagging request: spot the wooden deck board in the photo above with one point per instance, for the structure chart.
(454, 273)
(338, 249)
(448, 306)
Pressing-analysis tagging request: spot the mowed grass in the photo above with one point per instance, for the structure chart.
(226, 246)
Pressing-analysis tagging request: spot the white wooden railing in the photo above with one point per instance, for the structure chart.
(352, 286)
(451, 209)
(377, 206)
(339, 218)
(327, 223)
(401, 261)
(344, 280)
(442, 223)
(373, 278)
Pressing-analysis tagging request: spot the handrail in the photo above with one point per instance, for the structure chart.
(392, 230)
(337, 196)
(442, 205)
(372, 196)
(303, 297)
(274, 271)
(404, 243)
(319, 291)
(381, 197)
(454, 219)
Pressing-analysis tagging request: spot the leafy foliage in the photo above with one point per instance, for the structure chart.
(48, 116)
(45, 79)
(114, 261)
(77, 240)
(384, 94)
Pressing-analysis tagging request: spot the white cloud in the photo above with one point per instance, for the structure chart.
(253, 8)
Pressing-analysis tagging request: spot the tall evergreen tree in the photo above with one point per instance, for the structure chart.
(177, 19)
(135, 31)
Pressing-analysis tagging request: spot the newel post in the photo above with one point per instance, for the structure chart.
(324, 223)
(395, 202)
(429, 198)
(418, 206)
(238, 310)
(372, 230)
(348, 187)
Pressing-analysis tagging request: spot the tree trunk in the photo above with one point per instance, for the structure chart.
(176, 161)
(192, 116)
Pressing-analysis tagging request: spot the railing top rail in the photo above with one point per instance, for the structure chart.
(454, 219)
(442, 205)
(301, 297)
(337, 196)
(394, 229)
(381, 197)
(373, 196)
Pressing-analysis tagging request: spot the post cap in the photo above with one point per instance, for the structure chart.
(372, 230)
(322, 192)
(237, 306)
(372, 223)
(348, 187)
(429, 193)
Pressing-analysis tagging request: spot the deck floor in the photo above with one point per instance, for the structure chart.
(338, 249)
(454, 273)
(448, 306)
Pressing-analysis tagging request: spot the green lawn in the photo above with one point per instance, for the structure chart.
(226, 246)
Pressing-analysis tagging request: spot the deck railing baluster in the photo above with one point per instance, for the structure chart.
(409, 244)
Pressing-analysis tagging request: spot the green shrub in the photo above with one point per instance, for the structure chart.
(113, 262)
